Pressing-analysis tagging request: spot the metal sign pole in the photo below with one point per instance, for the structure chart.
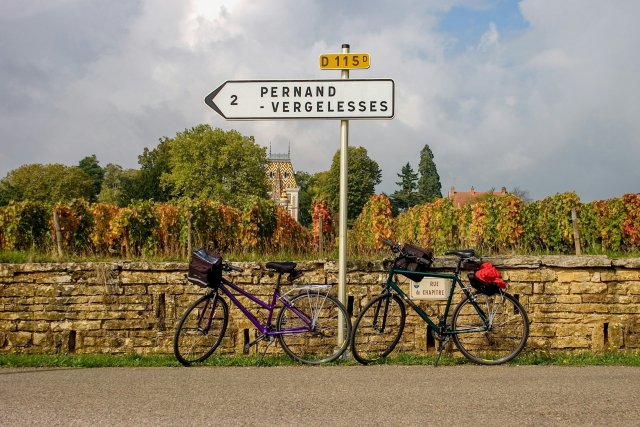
(342, 237)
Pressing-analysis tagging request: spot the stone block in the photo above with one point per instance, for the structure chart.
(569, 299)
(542, 330)
(564, 276)
(588, 288)
(17, 290)
(556, 288)
(135, 289)
(571, 342)
(620, 275)
(572, 330)
(19, 339)
(520, 288)
(524, 275)
(142, 277)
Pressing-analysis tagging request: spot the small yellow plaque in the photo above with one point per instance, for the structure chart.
(344, 61)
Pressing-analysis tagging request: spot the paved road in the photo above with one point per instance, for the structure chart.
(321, 396)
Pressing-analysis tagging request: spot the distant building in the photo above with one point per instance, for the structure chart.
(284, 189)
(461, 198)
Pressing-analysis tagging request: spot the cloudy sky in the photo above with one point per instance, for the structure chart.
(539, 95)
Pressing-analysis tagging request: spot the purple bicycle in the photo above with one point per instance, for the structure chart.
(312, 326)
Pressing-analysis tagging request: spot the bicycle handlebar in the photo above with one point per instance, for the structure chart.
(397, 248)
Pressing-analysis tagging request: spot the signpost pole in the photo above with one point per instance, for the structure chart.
(342, 235)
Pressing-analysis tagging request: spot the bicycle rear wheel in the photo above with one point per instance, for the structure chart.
(316, 342)
(502, 340)
(200, 329)
(378, 328)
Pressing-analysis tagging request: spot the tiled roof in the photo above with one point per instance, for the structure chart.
(461, 198)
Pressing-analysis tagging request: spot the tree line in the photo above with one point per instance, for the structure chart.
(213, 164)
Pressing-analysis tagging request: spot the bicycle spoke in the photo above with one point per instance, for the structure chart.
(316, 342)
(200, 330)
(378, 328)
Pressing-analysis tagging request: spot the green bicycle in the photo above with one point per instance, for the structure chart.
(489, 326)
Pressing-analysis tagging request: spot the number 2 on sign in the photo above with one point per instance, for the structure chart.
(234, 99)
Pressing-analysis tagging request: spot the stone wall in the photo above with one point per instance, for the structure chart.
(574, 303)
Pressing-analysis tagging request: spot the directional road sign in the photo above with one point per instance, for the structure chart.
(342, 99)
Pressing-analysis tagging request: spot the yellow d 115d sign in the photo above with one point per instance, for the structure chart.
(344, 61)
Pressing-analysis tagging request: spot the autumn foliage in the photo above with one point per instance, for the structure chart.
(507, 225)
(148, 228)
(492, 224)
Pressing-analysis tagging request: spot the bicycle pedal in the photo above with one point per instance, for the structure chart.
(245, 349)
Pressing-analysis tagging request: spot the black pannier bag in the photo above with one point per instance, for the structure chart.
(410, 264)
(487, 279)
(205, 268)
(482, 286)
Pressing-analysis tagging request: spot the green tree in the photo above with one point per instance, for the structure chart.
(304, 198)
(363, 176)
(153, 164)
(91, 167)
(318, 186)
(429, 187)
(120, 186)
(407, 196)
(46, 183)
(214, 164)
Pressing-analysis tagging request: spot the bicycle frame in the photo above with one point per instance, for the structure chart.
(266, 328)
(440, 327)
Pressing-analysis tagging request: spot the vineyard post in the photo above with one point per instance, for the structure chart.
(189, 244)
(576, 232)
(56, 225)
(321, 235)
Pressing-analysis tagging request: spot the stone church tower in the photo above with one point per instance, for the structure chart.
(284, 189)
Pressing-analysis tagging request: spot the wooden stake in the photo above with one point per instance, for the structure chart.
(56, 225)
(576, 232)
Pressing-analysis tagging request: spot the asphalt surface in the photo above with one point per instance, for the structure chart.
(322, 396)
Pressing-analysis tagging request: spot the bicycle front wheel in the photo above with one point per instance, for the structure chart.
(378, 328)
(311, 331)
(200, 330)
(497, 341)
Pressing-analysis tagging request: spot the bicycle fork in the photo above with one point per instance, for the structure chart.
(377, 324)
(204, 324)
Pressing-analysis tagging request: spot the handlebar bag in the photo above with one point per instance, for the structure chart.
(409, 263)
(205, 268)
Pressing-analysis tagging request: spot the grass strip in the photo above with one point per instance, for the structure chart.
(611, 358)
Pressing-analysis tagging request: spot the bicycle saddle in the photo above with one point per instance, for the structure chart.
(464, 253)
(281, 267)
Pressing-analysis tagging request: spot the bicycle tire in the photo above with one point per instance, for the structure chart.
(372, 341)
(319, 344)
(506, 337)
(193, 342)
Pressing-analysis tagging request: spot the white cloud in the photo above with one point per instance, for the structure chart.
(550, 108)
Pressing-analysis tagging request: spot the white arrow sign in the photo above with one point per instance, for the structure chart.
(304, 99)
